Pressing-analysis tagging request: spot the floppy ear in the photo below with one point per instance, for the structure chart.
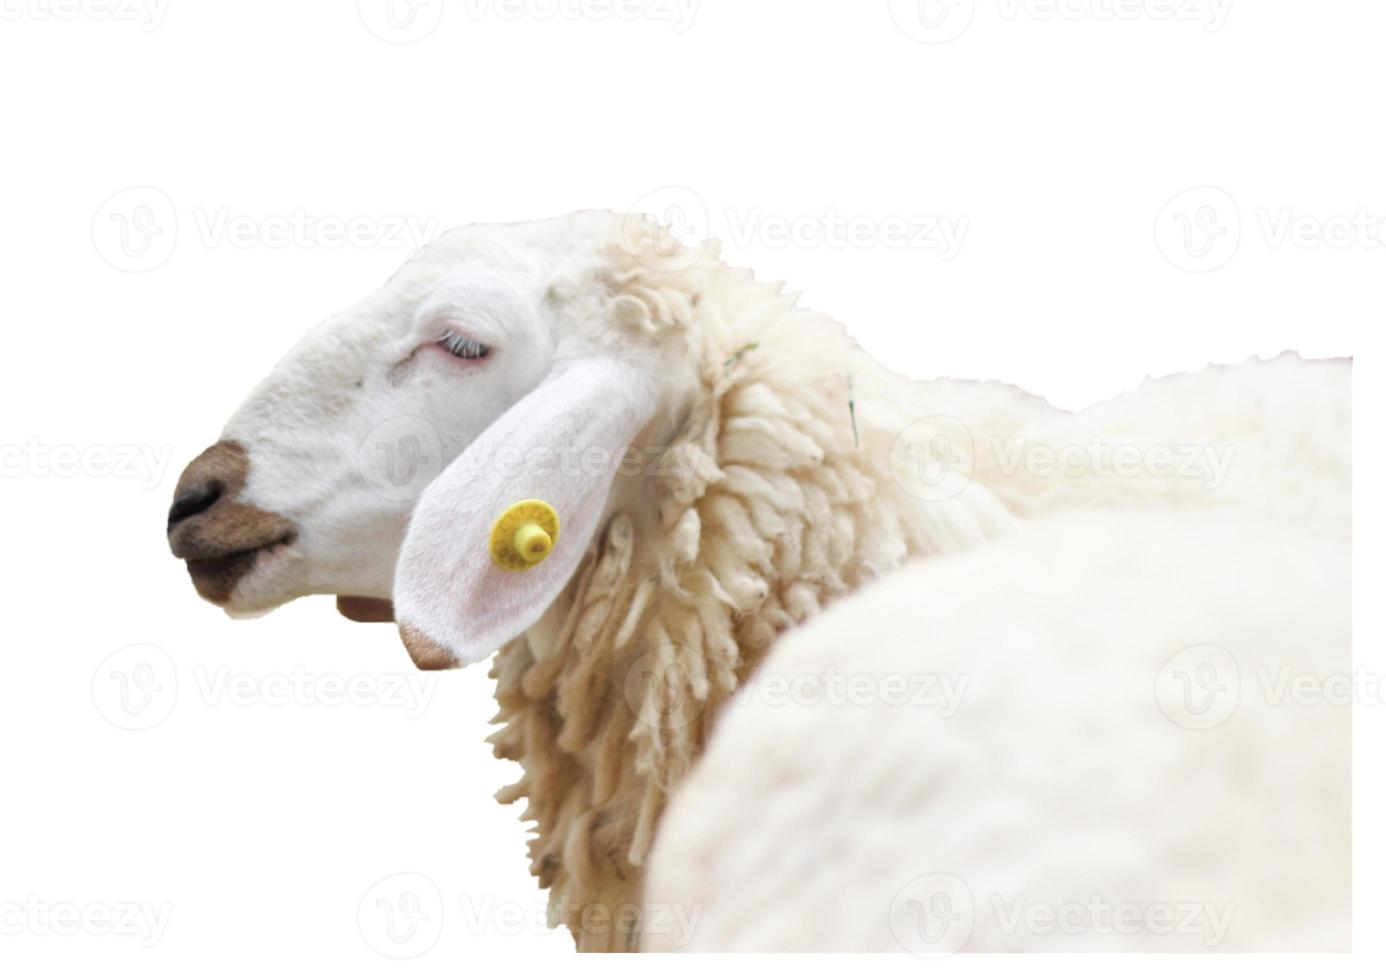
(561, 444)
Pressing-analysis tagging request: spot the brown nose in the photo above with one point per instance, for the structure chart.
(220, 537)
(200, 495)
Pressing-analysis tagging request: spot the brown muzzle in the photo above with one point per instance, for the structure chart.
(218, 536)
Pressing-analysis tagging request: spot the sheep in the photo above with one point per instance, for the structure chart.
(1070, 778)
(721, 465)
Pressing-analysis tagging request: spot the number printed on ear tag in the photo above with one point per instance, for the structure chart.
(524, 535)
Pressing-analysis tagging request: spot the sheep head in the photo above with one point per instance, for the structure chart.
(501, 363)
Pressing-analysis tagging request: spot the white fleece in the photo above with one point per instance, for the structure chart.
(1118, 728)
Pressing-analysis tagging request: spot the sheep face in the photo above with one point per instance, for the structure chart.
(375, 458)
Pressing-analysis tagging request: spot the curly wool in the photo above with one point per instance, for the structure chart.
(1064, 768)
(774, 496)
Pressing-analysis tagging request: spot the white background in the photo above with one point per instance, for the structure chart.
(1061, 139)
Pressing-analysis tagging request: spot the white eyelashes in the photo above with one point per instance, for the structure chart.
(463, 347)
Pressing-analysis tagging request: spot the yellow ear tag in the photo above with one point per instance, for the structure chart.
(523, 535)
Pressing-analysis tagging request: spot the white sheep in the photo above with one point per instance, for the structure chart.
(1126, 729)
(722, 465)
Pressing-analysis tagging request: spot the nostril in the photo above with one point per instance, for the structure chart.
(193, 502)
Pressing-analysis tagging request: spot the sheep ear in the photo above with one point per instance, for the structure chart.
(562, 444)
(364, 609)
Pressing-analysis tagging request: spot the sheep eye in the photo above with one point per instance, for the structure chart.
(463, 347)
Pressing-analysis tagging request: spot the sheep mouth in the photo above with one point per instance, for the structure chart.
(219, 555)
(215, 577)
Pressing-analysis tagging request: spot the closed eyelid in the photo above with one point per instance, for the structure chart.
(459, 319)
(474, 325)
(484, 312)
(463, 346)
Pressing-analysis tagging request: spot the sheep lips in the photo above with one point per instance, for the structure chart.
(220, 537)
